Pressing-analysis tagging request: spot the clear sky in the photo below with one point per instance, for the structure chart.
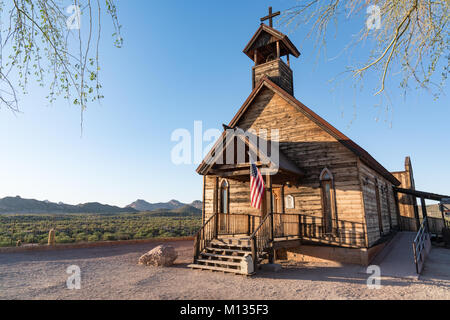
(182, 61)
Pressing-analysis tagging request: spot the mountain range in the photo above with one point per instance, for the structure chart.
(20, 205)
(142, 205)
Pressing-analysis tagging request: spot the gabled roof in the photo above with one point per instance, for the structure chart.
(289, 46)
(343, 139)
(252, 141)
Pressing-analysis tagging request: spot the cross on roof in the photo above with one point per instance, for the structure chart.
(270, 17)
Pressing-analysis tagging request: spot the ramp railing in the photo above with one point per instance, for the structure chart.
(422, 245)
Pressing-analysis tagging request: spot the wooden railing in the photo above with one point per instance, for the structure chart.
(261, 239)
(311, 227)
(237, 224)
(421, 245)
(263, 231)
(205, 235)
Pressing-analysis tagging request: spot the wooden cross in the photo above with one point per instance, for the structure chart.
(270, 17)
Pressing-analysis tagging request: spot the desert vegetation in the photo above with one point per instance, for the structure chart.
(72, 228)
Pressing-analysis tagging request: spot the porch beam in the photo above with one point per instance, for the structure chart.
(421, 194)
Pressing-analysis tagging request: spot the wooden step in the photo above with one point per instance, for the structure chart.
(221, 244)
(234, 242)
(228, 250)
(228, 263)
(223, 256)
(212, 268)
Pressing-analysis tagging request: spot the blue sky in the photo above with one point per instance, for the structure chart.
(182, 61)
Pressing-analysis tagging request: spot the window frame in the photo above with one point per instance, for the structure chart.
(326, 177)
(224, 187)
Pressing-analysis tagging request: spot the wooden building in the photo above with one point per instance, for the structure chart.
(325, 197)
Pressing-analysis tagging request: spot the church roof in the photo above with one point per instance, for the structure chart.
(258, 41)
(343, 139)
(257, 153)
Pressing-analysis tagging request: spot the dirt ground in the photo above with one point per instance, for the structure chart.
(113, 273)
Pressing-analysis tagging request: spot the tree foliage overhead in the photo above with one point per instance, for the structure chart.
(412, 34)
(55, 43)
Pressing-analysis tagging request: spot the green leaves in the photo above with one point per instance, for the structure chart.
(41, 47)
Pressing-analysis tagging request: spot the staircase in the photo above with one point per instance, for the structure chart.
(224, 255)
(216, 252)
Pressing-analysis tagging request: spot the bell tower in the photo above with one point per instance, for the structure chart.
(266, 48)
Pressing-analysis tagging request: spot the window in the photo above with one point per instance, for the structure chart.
(328, 200)
(224, 196)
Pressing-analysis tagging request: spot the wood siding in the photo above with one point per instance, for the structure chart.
(386, 196)
(311, 149)
(278, 72)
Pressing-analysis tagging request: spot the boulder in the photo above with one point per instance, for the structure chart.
(161, 256)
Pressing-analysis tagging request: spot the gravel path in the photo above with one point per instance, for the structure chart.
(113, 273)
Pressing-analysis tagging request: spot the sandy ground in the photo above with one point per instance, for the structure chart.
(113, 273)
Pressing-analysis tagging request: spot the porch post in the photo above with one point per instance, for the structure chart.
(215, 206)
(424, 207)
(441, 208)
(269, 189)
(416, 212)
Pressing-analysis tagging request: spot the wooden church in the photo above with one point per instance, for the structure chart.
(327, 197)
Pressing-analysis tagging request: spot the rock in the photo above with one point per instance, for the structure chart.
(161, 256)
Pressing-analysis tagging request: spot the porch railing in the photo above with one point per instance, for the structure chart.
(309, 227)
(205, 235)
(262, 231)
(261, 239)
(237, 224)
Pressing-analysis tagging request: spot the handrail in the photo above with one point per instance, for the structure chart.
(259, 227)
(421, 245)
(260, 240)
(203, 226)
(423, 228)
(205, 235)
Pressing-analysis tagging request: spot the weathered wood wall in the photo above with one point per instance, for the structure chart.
(312, 149)
(407, 204)
(278, 72)
(239, 196)
(387, 203)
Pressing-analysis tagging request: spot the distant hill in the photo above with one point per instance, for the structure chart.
(184, 211)
(142, 205)
(197, 204)
(20, 205)
(173, 207)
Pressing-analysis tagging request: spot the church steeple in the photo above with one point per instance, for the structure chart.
(266, 49)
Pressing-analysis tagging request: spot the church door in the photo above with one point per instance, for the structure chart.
(277, 210)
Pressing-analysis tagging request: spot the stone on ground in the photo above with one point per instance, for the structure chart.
(160, 256)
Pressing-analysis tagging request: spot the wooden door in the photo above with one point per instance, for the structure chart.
(277, 210)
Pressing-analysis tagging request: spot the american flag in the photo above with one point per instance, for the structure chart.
(256, 186)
